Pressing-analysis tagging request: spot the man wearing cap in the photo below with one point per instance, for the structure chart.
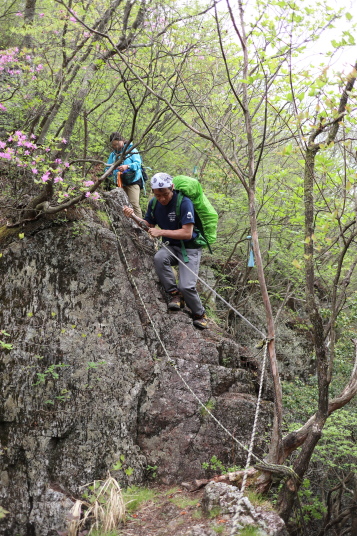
(174, 230)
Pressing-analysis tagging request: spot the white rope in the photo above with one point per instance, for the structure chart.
(164, 245)
(169, 359)
(288, 471)
(250, 451)
(237, 513)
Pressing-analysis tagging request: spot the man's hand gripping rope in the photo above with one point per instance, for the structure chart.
(129, 213)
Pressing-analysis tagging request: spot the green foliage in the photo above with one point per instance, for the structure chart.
(210, 405)
(79, 229)
(103, 216)
(120, 464)
(99, 532)
(257, 499)
(135, 497)
(218, 466)
(151, 471)
(50, 372)
(337, 449)
(5, 345)
(197, 514)
(214, 465)
(95, 365)
(184, 502)
(312, 506)
(214, 512)
(249, 530)
(300, 399)
(3, 512)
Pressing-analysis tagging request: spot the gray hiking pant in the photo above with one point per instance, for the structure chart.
(187, 280)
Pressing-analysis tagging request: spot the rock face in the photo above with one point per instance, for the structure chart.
(87, 380)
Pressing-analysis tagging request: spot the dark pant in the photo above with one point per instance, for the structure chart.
(164, 259)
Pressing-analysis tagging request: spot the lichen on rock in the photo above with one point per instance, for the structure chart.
(87, 380)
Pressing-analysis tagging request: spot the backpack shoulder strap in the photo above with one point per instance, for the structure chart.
(179, 198)
(153, 206)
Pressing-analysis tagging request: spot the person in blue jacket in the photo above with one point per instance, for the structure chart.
(130, 170)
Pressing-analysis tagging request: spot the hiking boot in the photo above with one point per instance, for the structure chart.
(200, 321)
(176, 301)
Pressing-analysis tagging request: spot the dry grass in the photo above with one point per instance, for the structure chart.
(103, 507)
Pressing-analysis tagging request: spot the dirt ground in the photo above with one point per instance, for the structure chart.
(173, 511)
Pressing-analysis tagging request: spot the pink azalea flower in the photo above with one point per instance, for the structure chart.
(58, 161)
(41, 14)
(47, 149)
(87, 194)
(88, 183)
(45, 176)
(39, 67)
(64, 140)
(72, 19)
(27, 153)
(19, 14)
(58, 179)
(65, 195)
(34, 170)
(96, 196)
(66, 164)
(2, 107)
(10, 138)
(2, 144)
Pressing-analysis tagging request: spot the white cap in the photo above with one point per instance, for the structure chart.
(161, 180)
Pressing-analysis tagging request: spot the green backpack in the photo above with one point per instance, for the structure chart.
(206, 217)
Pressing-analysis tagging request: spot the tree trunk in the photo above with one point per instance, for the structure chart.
(288, 492)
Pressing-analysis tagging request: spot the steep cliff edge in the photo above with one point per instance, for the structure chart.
(87, 380)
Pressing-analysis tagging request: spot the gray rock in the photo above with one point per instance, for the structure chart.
(199, 530)
(228, 500)
(88, 381)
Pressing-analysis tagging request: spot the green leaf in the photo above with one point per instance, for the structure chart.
(297, 264)
(6, 346)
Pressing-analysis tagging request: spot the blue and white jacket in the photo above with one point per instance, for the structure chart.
(133, 160)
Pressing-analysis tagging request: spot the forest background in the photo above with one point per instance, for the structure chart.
(233, 95)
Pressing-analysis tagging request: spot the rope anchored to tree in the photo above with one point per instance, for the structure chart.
(261, 464)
